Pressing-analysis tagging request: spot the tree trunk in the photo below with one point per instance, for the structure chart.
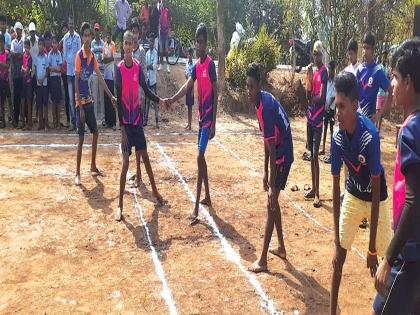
(371, 14)
(220, 12)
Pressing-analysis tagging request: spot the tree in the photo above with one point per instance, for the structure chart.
(221, 47)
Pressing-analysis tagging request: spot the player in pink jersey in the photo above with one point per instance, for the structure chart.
(398, 276)
(129, 77)
(204, 72)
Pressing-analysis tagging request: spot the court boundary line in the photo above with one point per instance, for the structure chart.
(166, 292)
(230, 253)
(301, 209)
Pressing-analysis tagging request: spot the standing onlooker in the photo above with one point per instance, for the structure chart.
(64, 31)
(315, 119)
(122, 12)
(163, 35)
(151, 79)
(4, 79)
(16, 52)
(189, 97)
(108, 60)
(41, 65)
(97, 46)
(144, 17)
(8, 43)
(371, 77)
(3, 30)
(71, 45)
(352, 49)
(33, 41)
(48, 27)
(154, 22)
(382, 94)
(329, 117)
(55, 61)
(27, 85)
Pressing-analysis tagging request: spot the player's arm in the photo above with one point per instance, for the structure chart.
(271, 145)
(182, 91)
(147, 91)
(374, 165)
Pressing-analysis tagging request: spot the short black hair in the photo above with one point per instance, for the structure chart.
(352, 45)
(253, 71)
(201, 31)
(27, 42)
(47, 35)
(128, 35)
(135, 25)
(346, 83)
(85, 26)
(331, 64)
(369, 39)
(41, 40)
(2, 39)
(406, 60)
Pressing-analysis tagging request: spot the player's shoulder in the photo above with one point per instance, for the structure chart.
(412, 125)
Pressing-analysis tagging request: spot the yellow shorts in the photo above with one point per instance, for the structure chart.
(353, 211)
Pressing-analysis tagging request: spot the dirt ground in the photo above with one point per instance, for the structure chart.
(61, 252)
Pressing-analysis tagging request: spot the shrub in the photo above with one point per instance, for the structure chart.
(264, 50)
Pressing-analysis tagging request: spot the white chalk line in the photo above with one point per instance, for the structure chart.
(302, 210)
(166, 291)
(230, 253)
(71, 146)
(117, 133)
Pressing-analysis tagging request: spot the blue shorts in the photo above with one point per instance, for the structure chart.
(404, 290)
(135, 138)
(203, 139)
(90, 120)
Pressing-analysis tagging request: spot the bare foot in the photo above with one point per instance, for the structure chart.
(317, 202)
(279, 252)
(158, 197)
(193, 218)
(95, 171)
(310, 194)
(206, 201)
(258, 267)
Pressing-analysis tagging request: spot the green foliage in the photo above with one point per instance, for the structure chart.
(264, 50)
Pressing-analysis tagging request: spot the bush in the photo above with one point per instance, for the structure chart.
(264, 50)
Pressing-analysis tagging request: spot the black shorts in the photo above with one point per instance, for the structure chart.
(403, 288)
(54, 85)
(314, 139)
(42, 96)
(4, 89)
(90, 120)
(282, 173)
(135, 137)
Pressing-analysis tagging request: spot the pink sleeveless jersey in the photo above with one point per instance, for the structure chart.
(205, 93)
(399, 182)
(130, 96)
